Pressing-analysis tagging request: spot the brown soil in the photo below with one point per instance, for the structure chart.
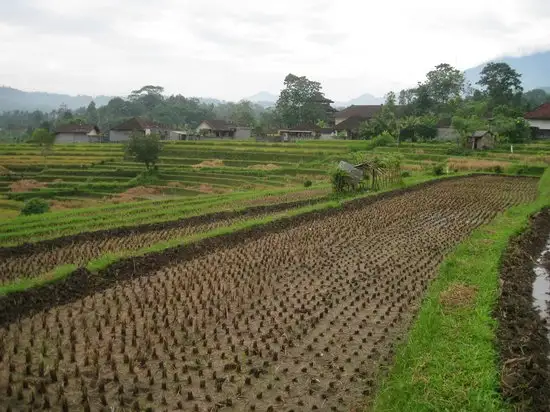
(209, 163)
(26, 185)
(71, 204)
(138, 192)
(298, 315)
(269, 166)
(458, 295)
(40, 257)
(522, 335)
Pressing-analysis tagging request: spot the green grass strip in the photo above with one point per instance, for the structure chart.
(26, 283)
(449, 362)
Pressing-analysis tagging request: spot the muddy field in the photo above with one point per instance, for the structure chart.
(523, 332)
(299, 319)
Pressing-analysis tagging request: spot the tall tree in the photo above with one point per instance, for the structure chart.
(144, 148)
(243, 114)
(301, 101)
(148, 96)
(445, 84)
(502, 84)
(534, 98)
(91, 113)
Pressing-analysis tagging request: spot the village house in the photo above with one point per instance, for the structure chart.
(223, 129)
(122, 132)
(77, 133)
(300, 132)
(481, 139)
(445, 132)
(364, 112)
(539, 120)
(347, 121)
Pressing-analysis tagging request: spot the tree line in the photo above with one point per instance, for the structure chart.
(496, 102)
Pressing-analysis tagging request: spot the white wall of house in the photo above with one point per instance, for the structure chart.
(71, 138)
(541, 124)
(327, 136)
(447, 134)
(119, 135)
(203, 126)
(243, 133)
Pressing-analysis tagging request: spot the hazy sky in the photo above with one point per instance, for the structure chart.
(232, 49)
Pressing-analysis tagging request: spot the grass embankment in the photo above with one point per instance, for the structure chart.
(109, 258)
(450, 361)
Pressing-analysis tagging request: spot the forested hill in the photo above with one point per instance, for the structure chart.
(14, 99)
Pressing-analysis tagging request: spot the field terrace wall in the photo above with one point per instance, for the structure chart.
(82, 282)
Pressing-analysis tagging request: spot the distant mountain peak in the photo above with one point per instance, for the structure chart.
(534, 69)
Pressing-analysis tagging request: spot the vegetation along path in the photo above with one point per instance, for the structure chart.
(297, 319)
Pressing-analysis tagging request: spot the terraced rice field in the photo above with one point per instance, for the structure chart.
(301, 317)
(31, 260)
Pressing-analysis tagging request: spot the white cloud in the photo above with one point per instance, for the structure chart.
(232, 49)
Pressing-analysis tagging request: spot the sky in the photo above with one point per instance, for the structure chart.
(232, 49)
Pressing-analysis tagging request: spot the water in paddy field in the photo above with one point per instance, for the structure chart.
(541, 286)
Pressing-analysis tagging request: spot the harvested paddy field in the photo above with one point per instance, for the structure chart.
(33, 259)
(301, 317)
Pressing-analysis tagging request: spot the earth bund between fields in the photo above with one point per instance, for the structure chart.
(523, 334)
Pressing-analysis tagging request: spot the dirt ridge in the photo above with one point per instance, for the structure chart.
(522, 335)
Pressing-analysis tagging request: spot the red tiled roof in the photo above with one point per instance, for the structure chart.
(76, 128)
(540, 113)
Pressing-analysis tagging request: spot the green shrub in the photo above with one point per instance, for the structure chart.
(385, 139)
(35, 206)
(527, 170)
(439, 169)
(405, 173)
(308, 183)
(497, 169)
(340, 180)
(458, 151)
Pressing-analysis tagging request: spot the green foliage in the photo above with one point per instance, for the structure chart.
(42, 137)
(340, 180)
(528, 170)
(465, 126)
(415, 128)
(405, 173)
(35, 206)
(385, 121)
(534, 98)
(439, 169)
(512, 130)
(301, 102)
(498, 169)
(242, 113)
(502, 84)
(384, 139)
(144, 148)
(308, 183)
